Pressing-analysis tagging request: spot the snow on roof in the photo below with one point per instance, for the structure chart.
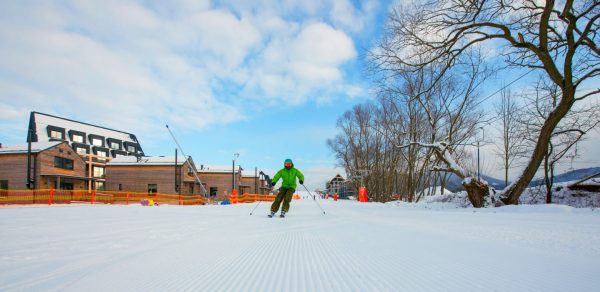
(22, 148)
(43, 121)
(217, 168)
(147, 160)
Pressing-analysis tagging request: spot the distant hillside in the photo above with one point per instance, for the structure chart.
(454, 183)
(568, 176)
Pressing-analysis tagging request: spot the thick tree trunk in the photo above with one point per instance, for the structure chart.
(547, 180)
(477, 192)
(511, 194)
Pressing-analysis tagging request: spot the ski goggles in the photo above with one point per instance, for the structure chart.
(287, 164)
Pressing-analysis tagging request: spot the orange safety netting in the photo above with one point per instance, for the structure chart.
(52, 196)
(250, 198)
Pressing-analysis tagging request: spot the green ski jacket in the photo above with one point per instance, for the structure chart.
(289, 177)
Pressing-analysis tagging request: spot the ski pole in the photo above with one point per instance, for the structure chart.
(314, 198)
(255, 208)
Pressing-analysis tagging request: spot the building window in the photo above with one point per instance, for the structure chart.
(4, 188)
(100, 185)
(190, 170)
(120, 187)
(78, 138)
(213, 191)
(101, 153)
(98, 171)
(131, 148)
(66, 186)
(62, 162)
(56, 135)
(81, 150)
(191, 189)
(114, 145)
(97, 142)
(152, 189)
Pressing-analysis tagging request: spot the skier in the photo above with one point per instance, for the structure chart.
(288, 187)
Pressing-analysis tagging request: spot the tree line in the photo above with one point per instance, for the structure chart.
(429, 69)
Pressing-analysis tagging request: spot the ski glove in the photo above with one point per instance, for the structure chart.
(301, 182)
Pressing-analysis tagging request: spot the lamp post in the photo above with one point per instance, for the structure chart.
(236, 155)
(478, 141)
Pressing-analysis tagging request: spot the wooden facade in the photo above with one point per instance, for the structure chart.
(56, 166)
(165, 177)
(254, 184)
(218, 183)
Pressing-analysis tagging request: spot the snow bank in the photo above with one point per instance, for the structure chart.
(531, 196)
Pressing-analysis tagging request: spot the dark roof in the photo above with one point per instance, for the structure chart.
(70, 120)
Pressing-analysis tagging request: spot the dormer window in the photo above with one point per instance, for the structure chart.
(77, 136)
(97, 142)
(114, 144)
(56, 135)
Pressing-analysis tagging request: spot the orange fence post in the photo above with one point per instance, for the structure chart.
(127, 199)
(93, 196)
(362, 194)
(233, 198)
(180, 201)
(50, 196)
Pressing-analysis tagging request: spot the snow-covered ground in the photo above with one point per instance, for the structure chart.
(561, 194)
(354, 247)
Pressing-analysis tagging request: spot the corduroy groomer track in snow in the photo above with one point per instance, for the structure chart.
(354, 247)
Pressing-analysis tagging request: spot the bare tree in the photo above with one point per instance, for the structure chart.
(511, 147)
(571, 129)
(559, 39)
(448, 106)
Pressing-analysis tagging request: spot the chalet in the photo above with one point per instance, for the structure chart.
(153, 174)
(344, 188)
(95, 144)
(335, 184)
(52, 165)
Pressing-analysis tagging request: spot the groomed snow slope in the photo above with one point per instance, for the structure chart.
(354, 247)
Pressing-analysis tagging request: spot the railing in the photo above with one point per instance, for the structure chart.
(52, 196)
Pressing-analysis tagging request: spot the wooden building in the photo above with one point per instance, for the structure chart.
(219, 179)
(152, 174)
(52, 165)
(96, 144)
(255, 184)
(344, 188)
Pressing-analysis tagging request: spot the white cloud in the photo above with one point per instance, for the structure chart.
(303, 63)
(344, 14)
(190, 64)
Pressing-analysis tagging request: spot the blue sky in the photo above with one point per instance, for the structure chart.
(267, 79)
